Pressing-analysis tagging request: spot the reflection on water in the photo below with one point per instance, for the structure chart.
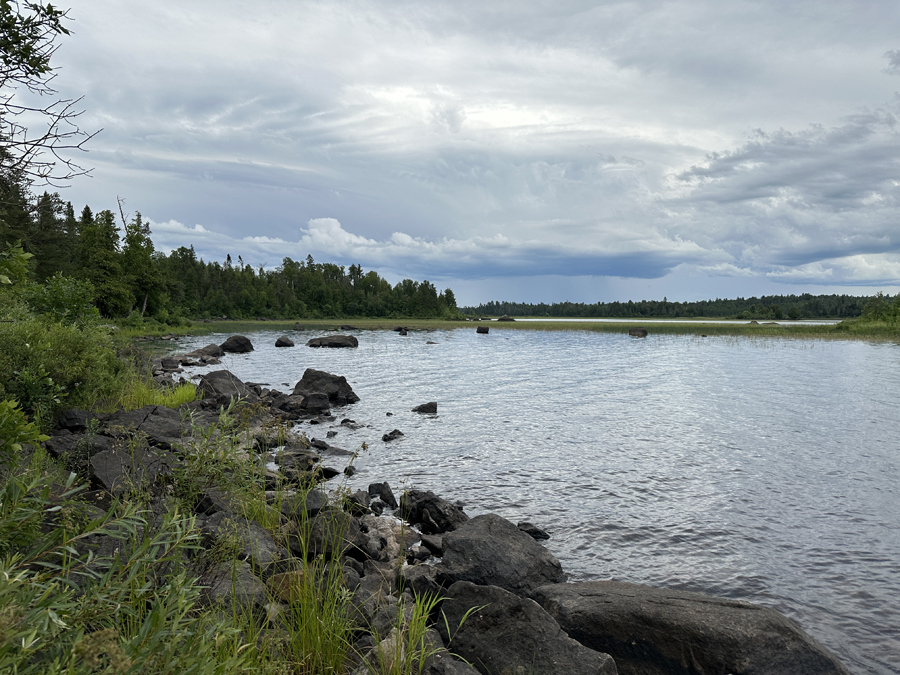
(747, 467)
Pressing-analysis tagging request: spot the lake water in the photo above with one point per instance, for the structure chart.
(754, 468)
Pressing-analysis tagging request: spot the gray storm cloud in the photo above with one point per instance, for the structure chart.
(688, 140)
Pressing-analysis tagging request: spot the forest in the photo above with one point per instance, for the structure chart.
(111, 257)
(769, 307)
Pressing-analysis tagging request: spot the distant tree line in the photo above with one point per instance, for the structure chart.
(114, 255)
(805, 306)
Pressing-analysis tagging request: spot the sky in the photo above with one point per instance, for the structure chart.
(530, 151)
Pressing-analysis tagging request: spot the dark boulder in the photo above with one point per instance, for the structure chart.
(392, 436)
(334, 341)
(76, 421)
(506, 317)
(234, 588)
(657, 631)
(120, 470)
(300, 506)
(75, 450)
(433, 514)
(491, 551)
(252, 542)
(160, 425)
(426, 408)
(284, 341)
(335, 387)
(483, 330)
(346, 326)
(210, 350)
(637, 332)
(224, 384)
(299, 327)
(384, 493)
(237, 344)
(499, 633)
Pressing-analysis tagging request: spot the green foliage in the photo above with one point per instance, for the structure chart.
(15, 431)
(881, 309)
(771, 307)
(14, 264)
(63, 299)
(44, 364)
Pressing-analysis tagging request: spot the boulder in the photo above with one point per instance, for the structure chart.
(384, 493)
(234, 587)
(508, 634)
(255, 545)
(335, 387)
(299, 327)
(211, 350)
(76, 450)
(637, 332)
(237, 344)
(284, 341)
(76, 421)
(491, 551)
(392, 436)
(122, 469)
(483, 330)
(300, 507)
(426, 408)
(161, 426)
(334, 341)
(656, 631)
(224, 384)
(506, 317)
(433, 514)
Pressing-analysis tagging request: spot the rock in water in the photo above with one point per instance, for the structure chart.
(237, 344)
(392, 436)
(221, 383)
(509, 634)
(426, 408)
(334, 341)
(483, 330)
(335, 387)
(284, 341)
(656, 631)
(637, 332)
(491, 551)
(433, 513)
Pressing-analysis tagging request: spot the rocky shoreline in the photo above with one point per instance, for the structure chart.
(505, 606)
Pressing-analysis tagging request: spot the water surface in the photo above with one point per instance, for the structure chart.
(757, 468)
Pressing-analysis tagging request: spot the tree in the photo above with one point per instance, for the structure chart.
(101, 265)
(28, 33)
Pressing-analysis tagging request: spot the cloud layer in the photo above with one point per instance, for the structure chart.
(693, 141)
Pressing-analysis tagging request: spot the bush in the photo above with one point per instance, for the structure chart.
(63, 299)
(47, 365)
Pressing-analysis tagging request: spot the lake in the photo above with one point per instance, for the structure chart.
(756, 468)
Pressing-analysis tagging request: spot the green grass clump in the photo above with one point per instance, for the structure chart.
(139, 392)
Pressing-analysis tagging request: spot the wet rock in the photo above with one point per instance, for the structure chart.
(656, 631)
(392, 435)
(335, 387)
(384, 493)
(509, 634)
(76, 450)
(284, 341)
(637, 332)
(76, 421)
(491, 551)
(222, 384)
(533, 531)
(433, 514)
(348, 327)
(210, 350)
(483, 330)
(426, 408)
(237, 344)
(334, 342)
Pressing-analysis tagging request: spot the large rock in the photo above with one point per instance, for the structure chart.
(284, 341)
(482, 330)
(335, 387)
(506, 634)
(334, 341)
(162, 426)
(211, 350)
(491, 551)
(656, 631)
(429, 408)
(433, 514)
(237, 344)
(224, 384)
(124, 469)
(75, 450)
(637, 332)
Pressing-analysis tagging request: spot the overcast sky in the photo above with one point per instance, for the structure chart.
(529, 150)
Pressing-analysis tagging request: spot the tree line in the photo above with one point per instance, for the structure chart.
(115, 255)
(775, 307)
